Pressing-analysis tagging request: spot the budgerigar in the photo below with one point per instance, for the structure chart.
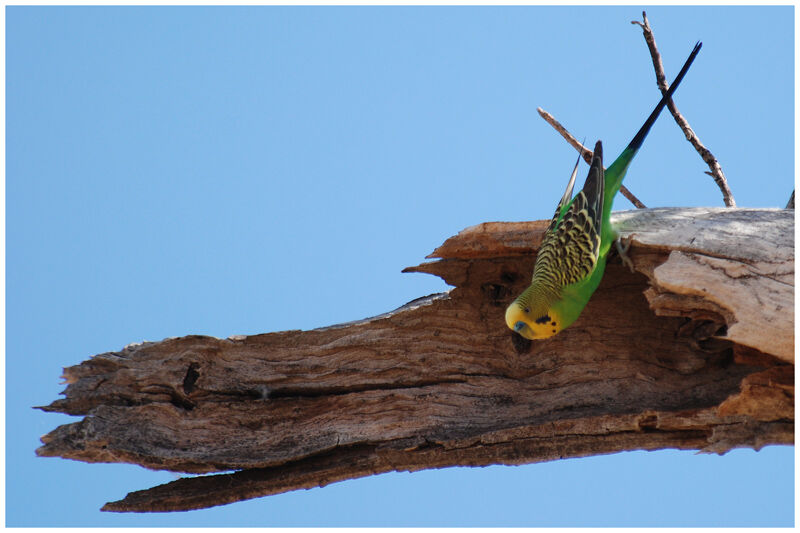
(572, 257)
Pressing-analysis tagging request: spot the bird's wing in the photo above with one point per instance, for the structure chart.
(565, 200)
(571, 246)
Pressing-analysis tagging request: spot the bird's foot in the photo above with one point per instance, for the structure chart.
(622, 250)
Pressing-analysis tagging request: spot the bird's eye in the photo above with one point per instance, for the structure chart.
(527, 310)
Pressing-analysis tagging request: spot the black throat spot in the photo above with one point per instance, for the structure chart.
(543, 319)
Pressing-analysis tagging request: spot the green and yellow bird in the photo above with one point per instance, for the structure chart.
(573, 255)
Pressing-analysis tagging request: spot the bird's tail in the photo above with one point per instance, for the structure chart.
(619, 167)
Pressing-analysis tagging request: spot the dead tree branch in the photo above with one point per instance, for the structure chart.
(695, 351)
(691, 136)
(586, 152)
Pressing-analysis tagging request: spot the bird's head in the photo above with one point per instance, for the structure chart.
(532, 321)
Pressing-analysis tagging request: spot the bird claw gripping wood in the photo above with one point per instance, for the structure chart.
(622, 250)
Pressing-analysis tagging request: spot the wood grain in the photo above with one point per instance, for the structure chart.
(669, 357)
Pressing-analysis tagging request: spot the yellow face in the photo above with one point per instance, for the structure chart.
(532, 323)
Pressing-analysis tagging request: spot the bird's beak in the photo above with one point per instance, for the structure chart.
(519, 326)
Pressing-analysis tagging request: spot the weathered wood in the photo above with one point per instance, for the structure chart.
(674, 356)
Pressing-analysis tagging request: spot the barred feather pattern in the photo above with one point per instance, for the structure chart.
(569, 253)
(571, 246)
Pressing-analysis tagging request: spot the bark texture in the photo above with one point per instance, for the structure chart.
(693, 351)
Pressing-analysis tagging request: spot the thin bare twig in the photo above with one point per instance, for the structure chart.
(708, 157)
(587, 153)
(629, 195)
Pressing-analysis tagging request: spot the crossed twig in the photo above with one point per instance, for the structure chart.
(708, 157)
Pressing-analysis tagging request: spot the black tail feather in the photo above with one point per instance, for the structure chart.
(638, 139)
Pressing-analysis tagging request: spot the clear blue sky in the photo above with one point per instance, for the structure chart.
(175, 171)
